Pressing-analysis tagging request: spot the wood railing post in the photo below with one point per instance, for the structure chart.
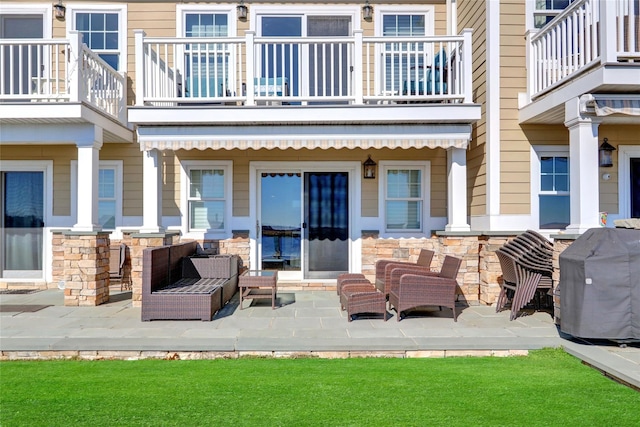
(140, 58)
(357, 68)
(75, 67)
(250, 72)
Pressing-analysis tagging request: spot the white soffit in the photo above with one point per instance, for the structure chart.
(298, 137)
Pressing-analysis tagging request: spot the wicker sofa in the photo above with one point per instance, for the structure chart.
(177, 283)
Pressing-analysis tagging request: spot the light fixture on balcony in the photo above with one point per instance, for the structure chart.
(369, 169)
(242, 10)
(59, 10)
(605, 154)
(367, 11)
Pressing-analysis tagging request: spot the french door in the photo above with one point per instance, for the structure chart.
(303, 223)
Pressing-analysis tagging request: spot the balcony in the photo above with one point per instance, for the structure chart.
(591, 47)
(245, 79)
(56, 81)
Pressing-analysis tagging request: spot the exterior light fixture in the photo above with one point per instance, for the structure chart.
(242, 10)
(605, 156)
(59, 11)
(369, 169)
(367, 11)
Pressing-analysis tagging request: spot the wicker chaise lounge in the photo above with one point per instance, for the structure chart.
(178, 286)
(412, 288)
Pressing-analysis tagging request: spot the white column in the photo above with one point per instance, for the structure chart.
(88, 166)
(584, 184)
(457, 190)
(151, 192)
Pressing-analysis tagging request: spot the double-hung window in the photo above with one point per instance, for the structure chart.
(103, 31)
(208, 196)
(404, 197)
(208, 66)
(109, 192)
(107, 197)
(404, 62)
(552, 189)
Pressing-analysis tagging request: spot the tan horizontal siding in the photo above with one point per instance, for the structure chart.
(61, 155)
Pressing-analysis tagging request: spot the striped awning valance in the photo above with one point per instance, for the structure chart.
(605, 107)
(300, 136)
(610, 104)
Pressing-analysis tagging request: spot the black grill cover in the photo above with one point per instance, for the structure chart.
(600, 285)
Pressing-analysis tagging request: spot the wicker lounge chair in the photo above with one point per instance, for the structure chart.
(424, 260)
(411, 288)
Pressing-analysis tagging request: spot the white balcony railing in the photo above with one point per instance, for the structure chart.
(254, 70)
(584, 35)
(60, 70)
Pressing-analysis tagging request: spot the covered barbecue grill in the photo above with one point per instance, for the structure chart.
(600, 285)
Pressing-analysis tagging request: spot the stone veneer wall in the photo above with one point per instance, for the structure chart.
(560, 243)
(461, 246)
(480, 274)
(86, 268)
(136, 243)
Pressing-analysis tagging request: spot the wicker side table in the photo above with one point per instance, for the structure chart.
(256, 284)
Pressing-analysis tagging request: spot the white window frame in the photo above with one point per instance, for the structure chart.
(429, 29)
(532, 12)
(116, 165)
(625, 154)
(46, 167)
(185, 178)
(32, 9)
(232, 18)
(121, 10)
(425, 169)
(538, 151)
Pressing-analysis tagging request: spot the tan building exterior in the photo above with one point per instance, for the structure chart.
(253, 139)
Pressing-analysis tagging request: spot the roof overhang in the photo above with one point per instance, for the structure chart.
(304, 136)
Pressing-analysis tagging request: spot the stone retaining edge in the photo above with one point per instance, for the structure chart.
(210, 355)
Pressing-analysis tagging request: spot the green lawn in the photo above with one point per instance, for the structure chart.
(547, 388)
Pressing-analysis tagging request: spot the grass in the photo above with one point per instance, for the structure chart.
(548, 387)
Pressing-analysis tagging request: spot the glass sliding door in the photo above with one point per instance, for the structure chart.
(329, 66)
(280, 221)
(308, 69)
(22, 224)
(326, 235)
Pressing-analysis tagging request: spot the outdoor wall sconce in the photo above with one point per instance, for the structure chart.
(59, 10)
(367, 11)
(242, 10)
(605, 154)
(369, 168)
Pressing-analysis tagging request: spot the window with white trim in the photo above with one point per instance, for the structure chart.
(546, 10)
(208, 192)
(404, 197)
(107, 198)
(208, 66)
(552, 188)
(109, 192)
(104, 32)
